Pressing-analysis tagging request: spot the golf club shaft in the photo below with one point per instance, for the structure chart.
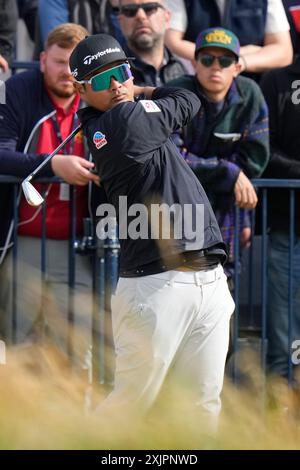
(70, 136)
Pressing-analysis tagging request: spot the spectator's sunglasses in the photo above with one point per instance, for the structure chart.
(224, 60)
(101, 81)
(131, 9)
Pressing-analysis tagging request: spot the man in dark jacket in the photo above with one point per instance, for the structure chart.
(172, 305)
(143, 25)
(39, 113)
(281, 90)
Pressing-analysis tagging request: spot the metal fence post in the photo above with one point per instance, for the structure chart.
(106, 271)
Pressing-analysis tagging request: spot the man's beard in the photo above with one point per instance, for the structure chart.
(62, 93)
(144, 42)
(59, 90)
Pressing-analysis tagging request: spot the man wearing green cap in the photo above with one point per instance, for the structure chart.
(226, 143)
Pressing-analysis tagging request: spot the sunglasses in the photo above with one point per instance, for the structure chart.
(131, 9)
(102, 80)
(224, 61)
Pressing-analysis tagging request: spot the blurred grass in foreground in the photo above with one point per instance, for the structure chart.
(42, 407)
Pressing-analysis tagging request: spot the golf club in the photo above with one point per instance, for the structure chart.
(32, 196)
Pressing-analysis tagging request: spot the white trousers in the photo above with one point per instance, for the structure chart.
(174, 323)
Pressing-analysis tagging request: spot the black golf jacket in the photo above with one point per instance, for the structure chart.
(137, 161)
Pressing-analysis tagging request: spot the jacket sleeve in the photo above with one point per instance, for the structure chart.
(12, 160)
(222, 178)
(178, 106)
(8, 22)
(20, 164)
(135, 129)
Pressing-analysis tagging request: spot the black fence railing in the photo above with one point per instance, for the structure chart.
(250, 279)
(104, 262)
(24, 65)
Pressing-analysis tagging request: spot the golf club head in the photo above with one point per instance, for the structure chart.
(32, 196)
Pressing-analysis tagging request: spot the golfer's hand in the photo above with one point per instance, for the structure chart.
(3, 64)
(245, 194)
(74, 169)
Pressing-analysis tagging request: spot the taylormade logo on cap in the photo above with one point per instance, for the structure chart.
(89, 58)
(218, 37)
(94, 52)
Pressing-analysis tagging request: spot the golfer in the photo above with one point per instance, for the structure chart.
(172, 305)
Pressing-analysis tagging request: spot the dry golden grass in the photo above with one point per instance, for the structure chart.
(42, 406)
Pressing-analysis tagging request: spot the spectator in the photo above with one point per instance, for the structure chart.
(8, 25)
(283, 100)
(40, 112)
(263, 30)
(144, 30)
(227, 141)
(95, 15)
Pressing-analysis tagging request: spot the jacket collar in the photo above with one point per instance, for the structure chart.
(87, 113)
(233, 96)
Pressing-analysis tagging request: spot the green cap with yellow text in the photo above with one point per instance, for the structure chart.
(218, 37)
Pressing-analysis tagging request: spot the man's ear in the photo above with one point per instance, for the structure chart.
(42, 61)
(167, 14)
(238, 69)
(79, 88)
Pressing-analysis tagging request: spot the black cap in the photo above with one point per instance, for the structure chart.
(94, 52)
